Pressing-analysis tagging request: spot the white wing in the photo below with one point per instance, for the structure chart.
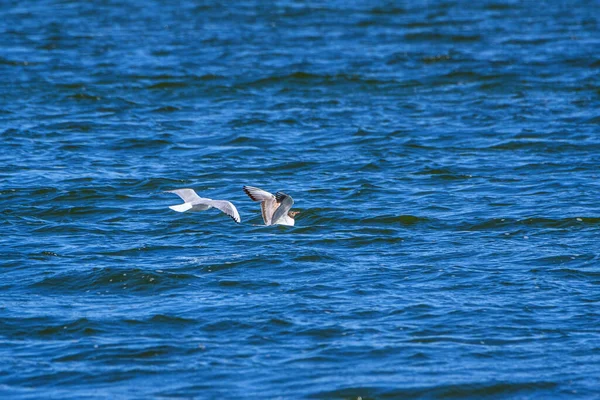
(268, 203)
(225, 206)
(192, 201)
(197, 203)
(187, 195)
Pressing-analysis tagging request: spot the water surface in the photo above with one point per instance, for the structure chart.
(444, 155)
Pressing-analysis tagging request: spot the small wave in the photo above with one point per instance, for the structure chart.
(465, 390)
(79, 327)
(498, 6)
(140, 143)
(294, 166)
(546, 146)
(395, 220)
(304, 78)
(113, 279)
(168, 85)
(45, 327)
(6, 61)
(440, 37)
(537, 222)
(166, 109)
(443, 173)
(318, 257)
(209, 77)
(79, 126)
(84, 96)
(566, 273)
(246, 285)
(170, 320)
(388, 10)
(248, 263)
(436, 59)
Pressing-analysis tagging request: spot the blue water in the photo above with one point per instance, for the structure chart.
(444, 156)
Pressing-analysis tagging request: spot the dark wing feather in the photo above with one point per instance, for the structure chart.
(286, 202)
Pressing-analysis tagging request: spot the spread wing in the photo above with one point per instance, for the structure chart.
(285, 203)
(268, 202)
(225, 206)
(191, 199)
(197, 203)
(187, 195)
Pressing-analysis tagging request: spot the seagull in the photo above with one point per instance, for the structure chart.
(196, 203)
(275, 208)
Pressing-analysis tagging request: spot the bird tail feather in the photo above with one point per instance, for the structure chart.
(181, 207)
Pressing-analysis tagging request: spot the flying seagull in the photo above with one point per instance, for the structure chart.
(196, 203)
(275, 208)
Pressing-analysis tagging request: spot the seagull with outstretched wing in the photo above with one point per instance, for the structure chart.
(275, 208)
(196, 203)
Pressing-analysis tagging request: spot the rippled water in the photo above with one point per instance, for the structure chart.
(444, 155)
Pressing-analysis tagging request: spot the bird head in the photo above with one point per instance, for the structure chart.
(292, 214)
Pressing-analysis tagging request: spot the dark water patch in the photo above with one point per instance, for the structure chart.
(528, 42)
(158, 77)
(166, 109)
(280, 322)
(250, 263)
(358, 241)
(247, 285)
(287, 121)
(461, 77)
(304, 79)
(147, 353)
(441, 37)
(248, 121)
(464, 390)
(387, 10)
(67, 86)
(493, 389)
(44, 255)
(496, 6)
(169, 320)
(566, 273)
(81, 326)
(125, 280)
(140, 143)
(465, 38)
(78, 126)
(13, 63)
(363, 133)
(323, 333)
(49, 328)
(225, 325)
(248, 141)
(316, 257)
(168, 85)
(209, 77)
(394, 220)
(38, 192)
(443, 173)
(84, 96)
(544, 146)
(436, 59)
(370, 167)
